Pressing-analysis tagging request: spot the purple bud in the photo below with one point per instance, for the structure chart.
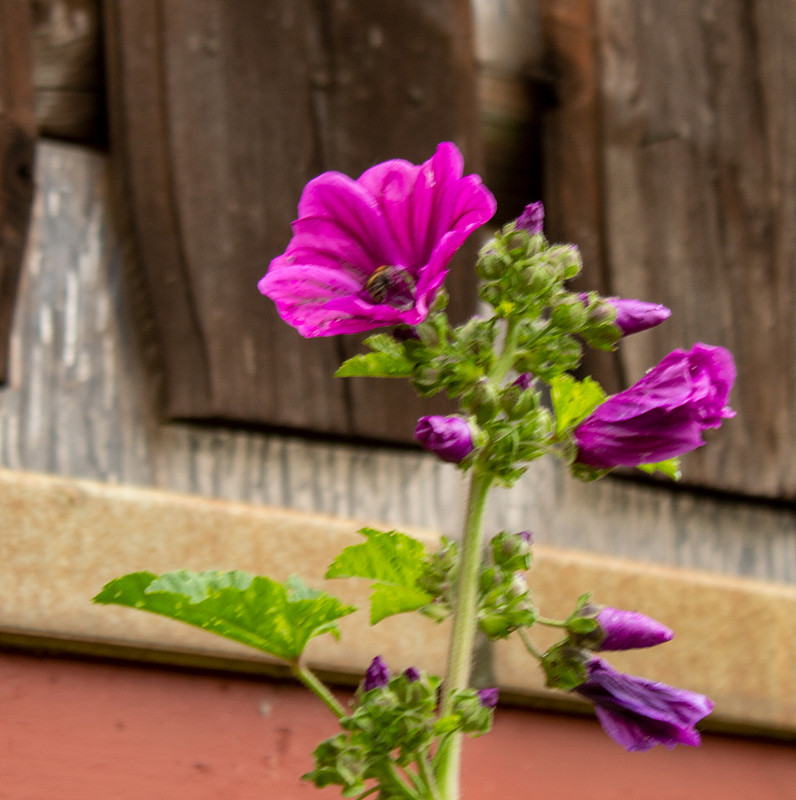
(626, 630)
(633, 316)
(526, 537)
(412, 674)
(488, 697)
(448, 437)
(532, 219)
(377, 675)
(524, 381)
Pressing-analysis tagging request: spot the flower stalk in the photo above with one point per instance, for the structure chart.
(460, 652)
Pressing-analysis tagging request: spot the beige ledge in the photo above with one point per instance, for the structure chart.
(61, 540)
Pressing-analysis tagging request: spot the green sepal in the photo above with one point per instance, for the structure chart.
(278, 619)
(565, 666)
(573, 400)
(388, 359)
(395, 562)
(670, 468)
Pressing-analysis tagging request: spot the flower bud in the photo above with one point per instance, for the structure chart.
(631, 316)
(412, 674)
(569, 314)
(488, 698)
(450, 438)
(531, 219)
(377, 675)
(627, 630)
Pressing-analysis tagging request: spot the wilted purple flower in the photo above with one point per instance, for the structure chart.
(412, 674)
(638, 714)
(633, 316)
(626, 630)
(531, 219)
(374, 251)
(488, 697)
(377, 675)
(662, 415)
(448, 437)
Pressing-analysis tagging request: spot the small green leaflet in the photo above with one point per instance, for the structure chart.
(670, 468)
(388, 360)
(573, 400)
(276, 618)
(394, 561)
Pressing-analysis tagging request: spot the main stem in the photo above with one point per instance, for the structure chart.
(462, 639)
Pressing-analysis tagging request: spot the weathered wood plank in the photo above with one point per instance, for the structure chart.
(698, 131)
(68, 70)
(81, 406)
(17, 134)
(221, 112)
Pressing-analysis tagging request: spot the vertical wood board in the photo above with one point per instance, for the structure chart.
(220, 114)
(17, 135)
(680, 186)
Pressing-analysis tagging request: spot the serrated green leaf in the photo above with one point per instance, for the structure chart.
(394, 561)
(670, 468)
(375, 365)
(573, 400)
(276, 618)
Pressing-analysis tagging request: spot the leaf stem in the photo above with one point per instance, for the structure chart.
(551, 623)
(529, 645)
(506, 360)
(462, 639)
(313, 683)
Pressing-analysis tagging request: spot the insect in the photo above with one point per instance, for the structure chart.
(391, 285)
(379, 283)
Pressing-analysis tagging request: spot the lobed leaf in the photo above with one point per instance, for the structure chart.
(395, 562)
(278, 619)
(573, 400)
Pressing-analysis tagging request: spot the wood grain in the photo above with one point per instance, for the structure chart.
(672, 162)
(17, 134)
(68, 70)
(82, 406)
(220, 114)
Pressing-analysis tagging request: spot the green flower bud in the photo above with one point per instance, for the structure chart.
(490, 266)
(569, 314)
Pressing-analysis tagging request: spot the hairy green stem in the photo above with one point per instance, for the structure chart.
(460, 653)
(311, 681)
(506, 360)
(529, 645)
(427, 776)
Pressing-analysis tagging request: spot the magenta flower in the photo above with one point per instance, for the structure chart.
(374, 251)
(412, 674)
(638, 714)
(633, 316)
(662, 415)
(531, 219)
(626, 630)
(450, 438)
(377, 675)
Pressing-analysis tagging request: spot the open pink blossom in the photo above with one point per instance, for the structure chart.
(374, 251)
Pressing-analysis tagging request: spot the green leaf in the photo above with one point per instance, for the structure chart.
(276, 618)
(395, 562)
(573, 400)
(670, 468)
(389, 359)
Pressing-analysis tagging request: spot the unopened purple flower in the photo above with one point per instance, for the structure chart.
(412, 674)
(531, 219)
(448, 437)
(626, 630)
(638, 714)
(633, 316)
(662, 415)
(374, 251)
(526, 537)
(488, 697)
(377, 675)
(523, 381)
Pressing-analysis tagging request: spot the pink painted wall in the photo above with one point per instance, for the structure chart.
(82, 730)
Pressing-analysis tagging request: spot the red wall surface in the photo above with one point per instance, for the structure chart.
(83, 730)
